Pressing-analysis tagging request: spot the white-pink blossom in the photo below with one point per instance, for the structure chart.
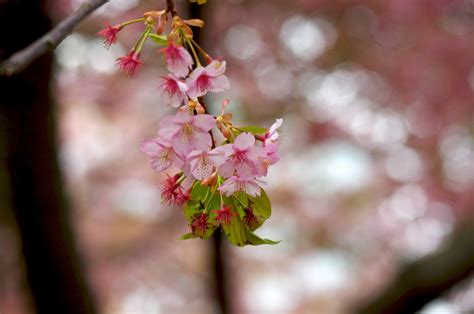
(162, 154)
(272, 135)
(207, 79)
(187, 132)
(202, 163)
(172, 90)
(242, 157)
(271, 157)
(178, 59)
(251, 186)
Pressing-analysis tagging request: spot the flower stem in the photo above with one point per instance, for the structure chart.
(202, 51)
(206, 208)
(141, 41)
(132, 22)
(181, 178)
(190, 44)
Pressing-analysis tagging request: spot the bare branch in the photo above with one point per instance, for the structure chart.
(48, 42)
(170, 8)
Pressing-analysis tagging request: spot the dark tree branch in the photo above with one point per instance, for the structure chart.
(426, 279)
(48, 42)
(170, 8)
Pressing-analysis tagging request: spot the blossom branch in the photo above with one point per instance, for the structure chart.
(48, 42)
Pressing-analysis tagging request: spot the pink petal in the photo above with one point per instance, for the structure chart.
(229, 187)
(172, 100)
(195, 74)
(151, 147)
(220, 84)
(243, 141)
(205, 122)
(201, 140)
(168, 128)
(182, 116)
(251, 188)
(182, 86)
(184, 143)
(217, 156)
(160, 162)
(227, 169)
(255, 152)
(246, 169)
(216, 68)
(275, 126)
(180, 63)
(201, 167)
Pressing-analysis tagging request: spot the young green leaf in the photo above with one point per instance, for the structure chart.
(254, 239)
(253, 129)
(191, 208)
(235, 232)
(262, 205)
(159, 39)
(199, 191)
(188, 236)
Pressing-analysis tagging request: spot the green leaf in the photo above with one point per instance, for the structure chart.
(253, 129)
(188, 236)
(199, 1)
(262, 205)
(191, 208)
(239, 235)
(159, 39)
(235, 232)
(242, 198)
(199, 191)
(209, 232)
(254, 239)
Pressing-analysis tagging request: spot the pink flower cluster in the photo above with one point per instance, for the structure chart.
(184, 141)
(219, 185)
(180, 85)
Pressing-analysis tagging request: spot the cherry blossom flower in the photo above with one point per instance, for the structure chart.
(187, 132)
(208, 79)
(272, 135)
(178, 59)
(172, 90)
(199, 224)
(129, 63)
(110, 34)
(224, 215)
(162, 154)
(251, 186)
(271, 157)
(242, 156)
(203, 163)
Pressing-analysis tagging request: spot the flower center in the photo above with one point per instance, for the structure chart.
(170, 86)
(204, 83)
(240, 155)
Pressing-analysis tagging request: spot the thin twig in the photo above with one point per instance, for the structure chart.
(170, 8)
(48, 42)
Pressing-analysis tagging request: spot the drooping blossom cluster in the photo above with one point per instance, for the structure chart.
(218, 167)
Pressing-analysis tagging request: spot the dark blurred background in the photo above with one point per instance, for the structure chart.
(373, 198)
